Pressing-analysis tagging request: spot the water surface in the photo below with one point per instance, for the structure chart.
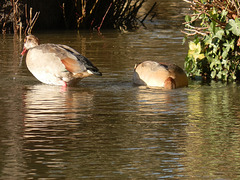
(107, 128)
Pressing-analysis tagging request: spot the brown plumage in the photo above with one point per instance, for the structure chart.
(56, 64)
(151, 73)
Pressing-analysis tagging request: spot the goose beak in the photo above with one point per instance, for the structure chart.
(24, 51)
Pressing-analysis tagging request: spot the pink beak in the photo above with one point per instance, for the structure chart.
(24, 51)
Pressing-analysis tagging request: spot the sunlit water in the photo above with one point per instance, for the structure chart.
(108, 128)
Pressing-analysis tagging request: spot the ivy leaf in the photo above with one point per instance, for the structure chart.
(227, 48)
(234, 76)
(213, 74)
(207, 40)
(234, 26)
(225, 52)
(224, 14)
(212, 27)
(195, 50)
(219, 34)
(219, 75)
(187, 18)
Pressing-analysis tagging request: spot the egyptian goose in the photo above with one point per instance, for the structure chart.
(151, 73)
(56, 64)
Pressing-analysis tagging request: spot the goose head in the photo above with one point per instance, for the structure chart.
(30, 41)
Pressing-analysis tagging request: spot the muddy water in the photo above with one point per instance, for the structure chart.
(106, 128)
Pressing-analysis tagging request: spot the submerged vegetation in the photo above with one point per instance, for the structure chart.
(214, 26)
(69, 14)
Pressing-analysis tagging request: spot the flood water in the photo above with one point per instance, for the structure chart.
(107, 128)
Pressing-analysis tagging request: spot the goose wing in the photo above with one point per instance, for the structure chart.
(75, 62)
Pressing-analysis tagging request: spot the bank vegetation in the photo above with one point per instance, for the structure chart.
(213, 30)
(21, 15)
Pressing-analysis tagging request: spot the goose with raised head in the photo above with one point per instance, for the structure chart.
(55, 63)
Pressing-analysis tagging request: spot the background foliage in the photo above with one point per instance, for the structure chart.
(214, 49)
(69, 14)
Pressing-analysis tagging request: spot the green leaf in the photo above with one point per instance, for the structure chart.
(207, 40)
(234, 26)
(225, 64)
(212, 65)
(195, 50)
(224, 14)
(227, 48)
(219, 34)
(184, 40)
(213, 74)
(219, 75)
(187, 18)
(232, 44)
(212, 27)
(225, 52)
(234, 76)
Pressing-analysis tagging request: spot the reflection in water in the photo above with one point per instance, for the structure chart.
(68, 132)
(159, 126)
(213, 132)
(47, 101)
(50, 124)
(154, 100)
(108, 128)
